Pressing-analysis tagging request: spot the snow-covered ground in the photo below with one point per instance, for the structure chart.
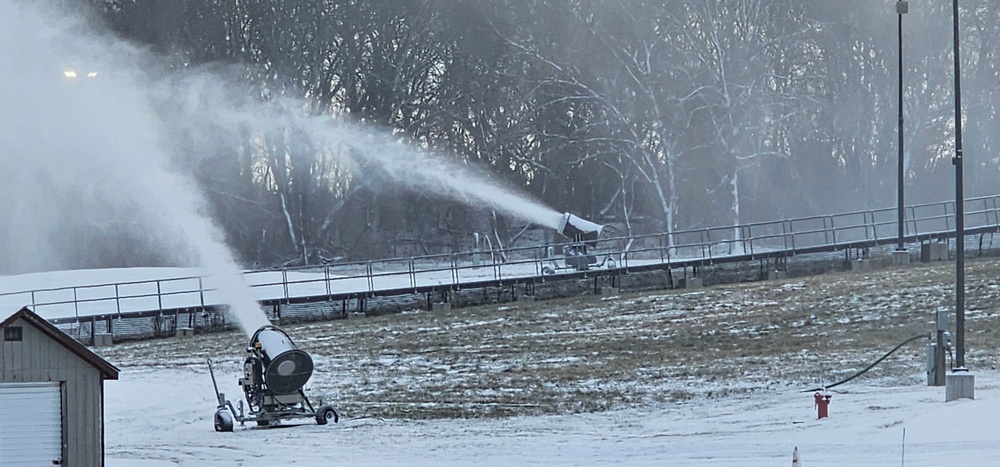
(165, 414)
(680, 377)
(710, 377)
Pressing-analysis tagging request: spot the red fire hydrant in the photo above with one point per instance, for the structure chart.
(822, 404)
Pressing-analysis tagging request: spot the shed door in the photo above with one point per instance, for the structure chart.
(30, 424)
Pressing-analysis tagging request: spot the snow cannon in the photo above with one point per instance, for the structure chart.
(276, 362)
(274, 373)
(576, 255)
(579, 229)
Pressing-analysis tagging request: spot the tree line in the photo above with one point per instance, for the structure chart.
(653, 116)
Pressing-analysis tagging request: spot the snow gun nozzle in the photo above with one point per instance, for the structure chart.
(579, 229)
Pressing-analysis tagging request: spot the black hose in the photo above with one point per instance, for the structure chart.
(869, 367)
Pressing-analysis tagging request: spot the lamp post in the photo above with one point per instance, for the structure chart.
(959, 208)
(902, 7)
(959, 384)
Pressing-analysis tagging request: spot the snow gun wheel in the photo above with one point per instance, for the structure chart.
(325, 414)
(223, 421)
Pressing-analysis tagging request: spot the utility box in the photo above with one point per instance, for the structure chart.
(103, 339)
(935, 365)
(900, 257)
(862, 265)
(775, 275)
(933, 251)
(689, 282)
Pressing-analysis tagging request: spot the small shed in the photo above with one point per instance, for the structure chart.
(51, 395)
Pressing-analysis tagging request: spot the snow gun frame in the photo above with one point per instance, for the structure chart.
(584, 235)
(274, 373)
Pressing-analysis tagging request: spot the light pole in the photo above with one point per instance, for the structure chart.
(902, 7)
(959, 208)
(959, 384)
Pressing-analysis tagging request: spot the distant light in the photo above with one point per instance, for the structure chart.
(69, 74)
(92, 74)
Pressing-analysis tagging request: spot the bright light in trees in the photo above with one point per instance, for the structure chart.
(72, 74)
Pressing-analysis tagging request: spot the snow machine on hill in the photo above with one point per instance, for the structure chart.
(577, 255)
(274, 373)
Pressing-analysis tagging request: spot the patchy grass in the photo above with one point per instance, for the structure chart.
(590, 353)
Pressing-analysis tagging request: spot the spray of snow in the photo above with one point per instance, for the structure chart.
(81, 147)
(98, 141)
(211, 112)
(428, 172)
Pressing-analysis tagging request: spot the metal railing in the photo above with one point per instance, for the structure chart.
(681, 249)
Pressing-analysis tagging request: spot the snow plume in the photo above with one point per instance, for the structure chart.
(82, 156)
(100, 142)
(211, 112)
(423, 171)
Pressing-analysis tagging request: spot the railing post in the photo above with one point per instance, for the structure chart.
(986, 212)
(201, 292)
(874, 227)
(624, 252)
(159, 296)
(864, 224)
(996, 212)
(326, 277)
(545, 258)
(413, 274)
(706, 240)
(371, 281)
(833, 231)
(284, 283)
(76, 310)
(749, 241)
(791, 234)
(661, 237)
(672, 242)
(118, 301)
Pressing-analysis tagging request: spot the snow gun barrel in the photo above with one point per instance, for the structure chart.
(285, 368)
(579, 229)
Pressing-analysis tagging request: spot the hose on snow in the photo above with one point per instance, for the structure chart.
(869, 367)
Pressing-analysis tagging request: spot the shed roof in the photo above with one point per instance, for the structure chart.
(108, 371)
